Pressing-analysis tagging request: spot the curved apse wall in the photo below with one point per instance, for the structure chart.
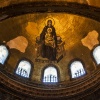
(76, 38)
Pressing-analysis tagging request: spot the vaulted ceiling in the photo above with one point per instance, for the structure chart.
(78, 25)
(95, 3)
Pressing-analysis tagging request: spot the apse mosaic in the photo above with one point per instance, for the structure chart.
(48, 44)
(50, 38)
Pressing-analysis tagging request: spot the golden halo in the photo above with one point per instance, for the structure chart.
(49, 18)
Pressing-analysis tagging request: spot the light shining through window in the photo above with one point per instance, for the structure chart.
(24, 68)
(3, 54)
(96, 54)
(77, 69)
(50, 75)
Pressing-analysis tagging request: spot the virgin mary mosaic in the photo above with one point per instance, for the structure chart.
(49, 42)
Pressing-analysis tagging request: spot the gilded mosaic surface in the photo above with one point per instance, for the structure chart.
(20, 34)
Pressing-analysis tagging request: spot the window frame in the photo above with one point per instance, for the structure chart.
(58, 74)
(92, 56)
(7, 58)
(31, 70)
(69, 71)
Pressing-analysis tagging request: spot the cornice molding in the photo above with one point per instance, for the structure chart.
(49, 7)
(85, 86)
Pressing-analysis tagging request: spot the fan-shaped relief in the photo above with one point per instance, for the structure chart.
(4, 53)
(77, 69)
(24, 68)
(50, 75)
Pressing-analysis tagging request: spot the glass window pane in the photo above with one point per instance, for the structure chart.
(50, 75)
(96, 54)
(3, 54)
(24, 68)
(77, 69)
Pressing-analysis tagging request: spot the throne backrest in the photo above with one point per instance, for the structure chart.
(38, 39)
(59, 39)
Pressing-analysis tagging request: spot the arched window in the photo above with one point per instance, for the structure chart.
(77, 69)
(96, 54)
(24, 68)
(3, 54)
(50, 75)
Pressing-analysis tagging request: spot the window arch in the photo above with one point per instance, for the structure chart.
(24, 68)
(50, 75)
(96, 54)
(3, 54)
(77, 69)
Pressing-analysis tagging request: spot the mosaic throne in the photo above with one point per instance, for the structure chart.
(60, 48)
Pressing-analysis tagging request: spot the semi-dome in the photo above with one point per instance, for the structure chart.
(49, 50)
